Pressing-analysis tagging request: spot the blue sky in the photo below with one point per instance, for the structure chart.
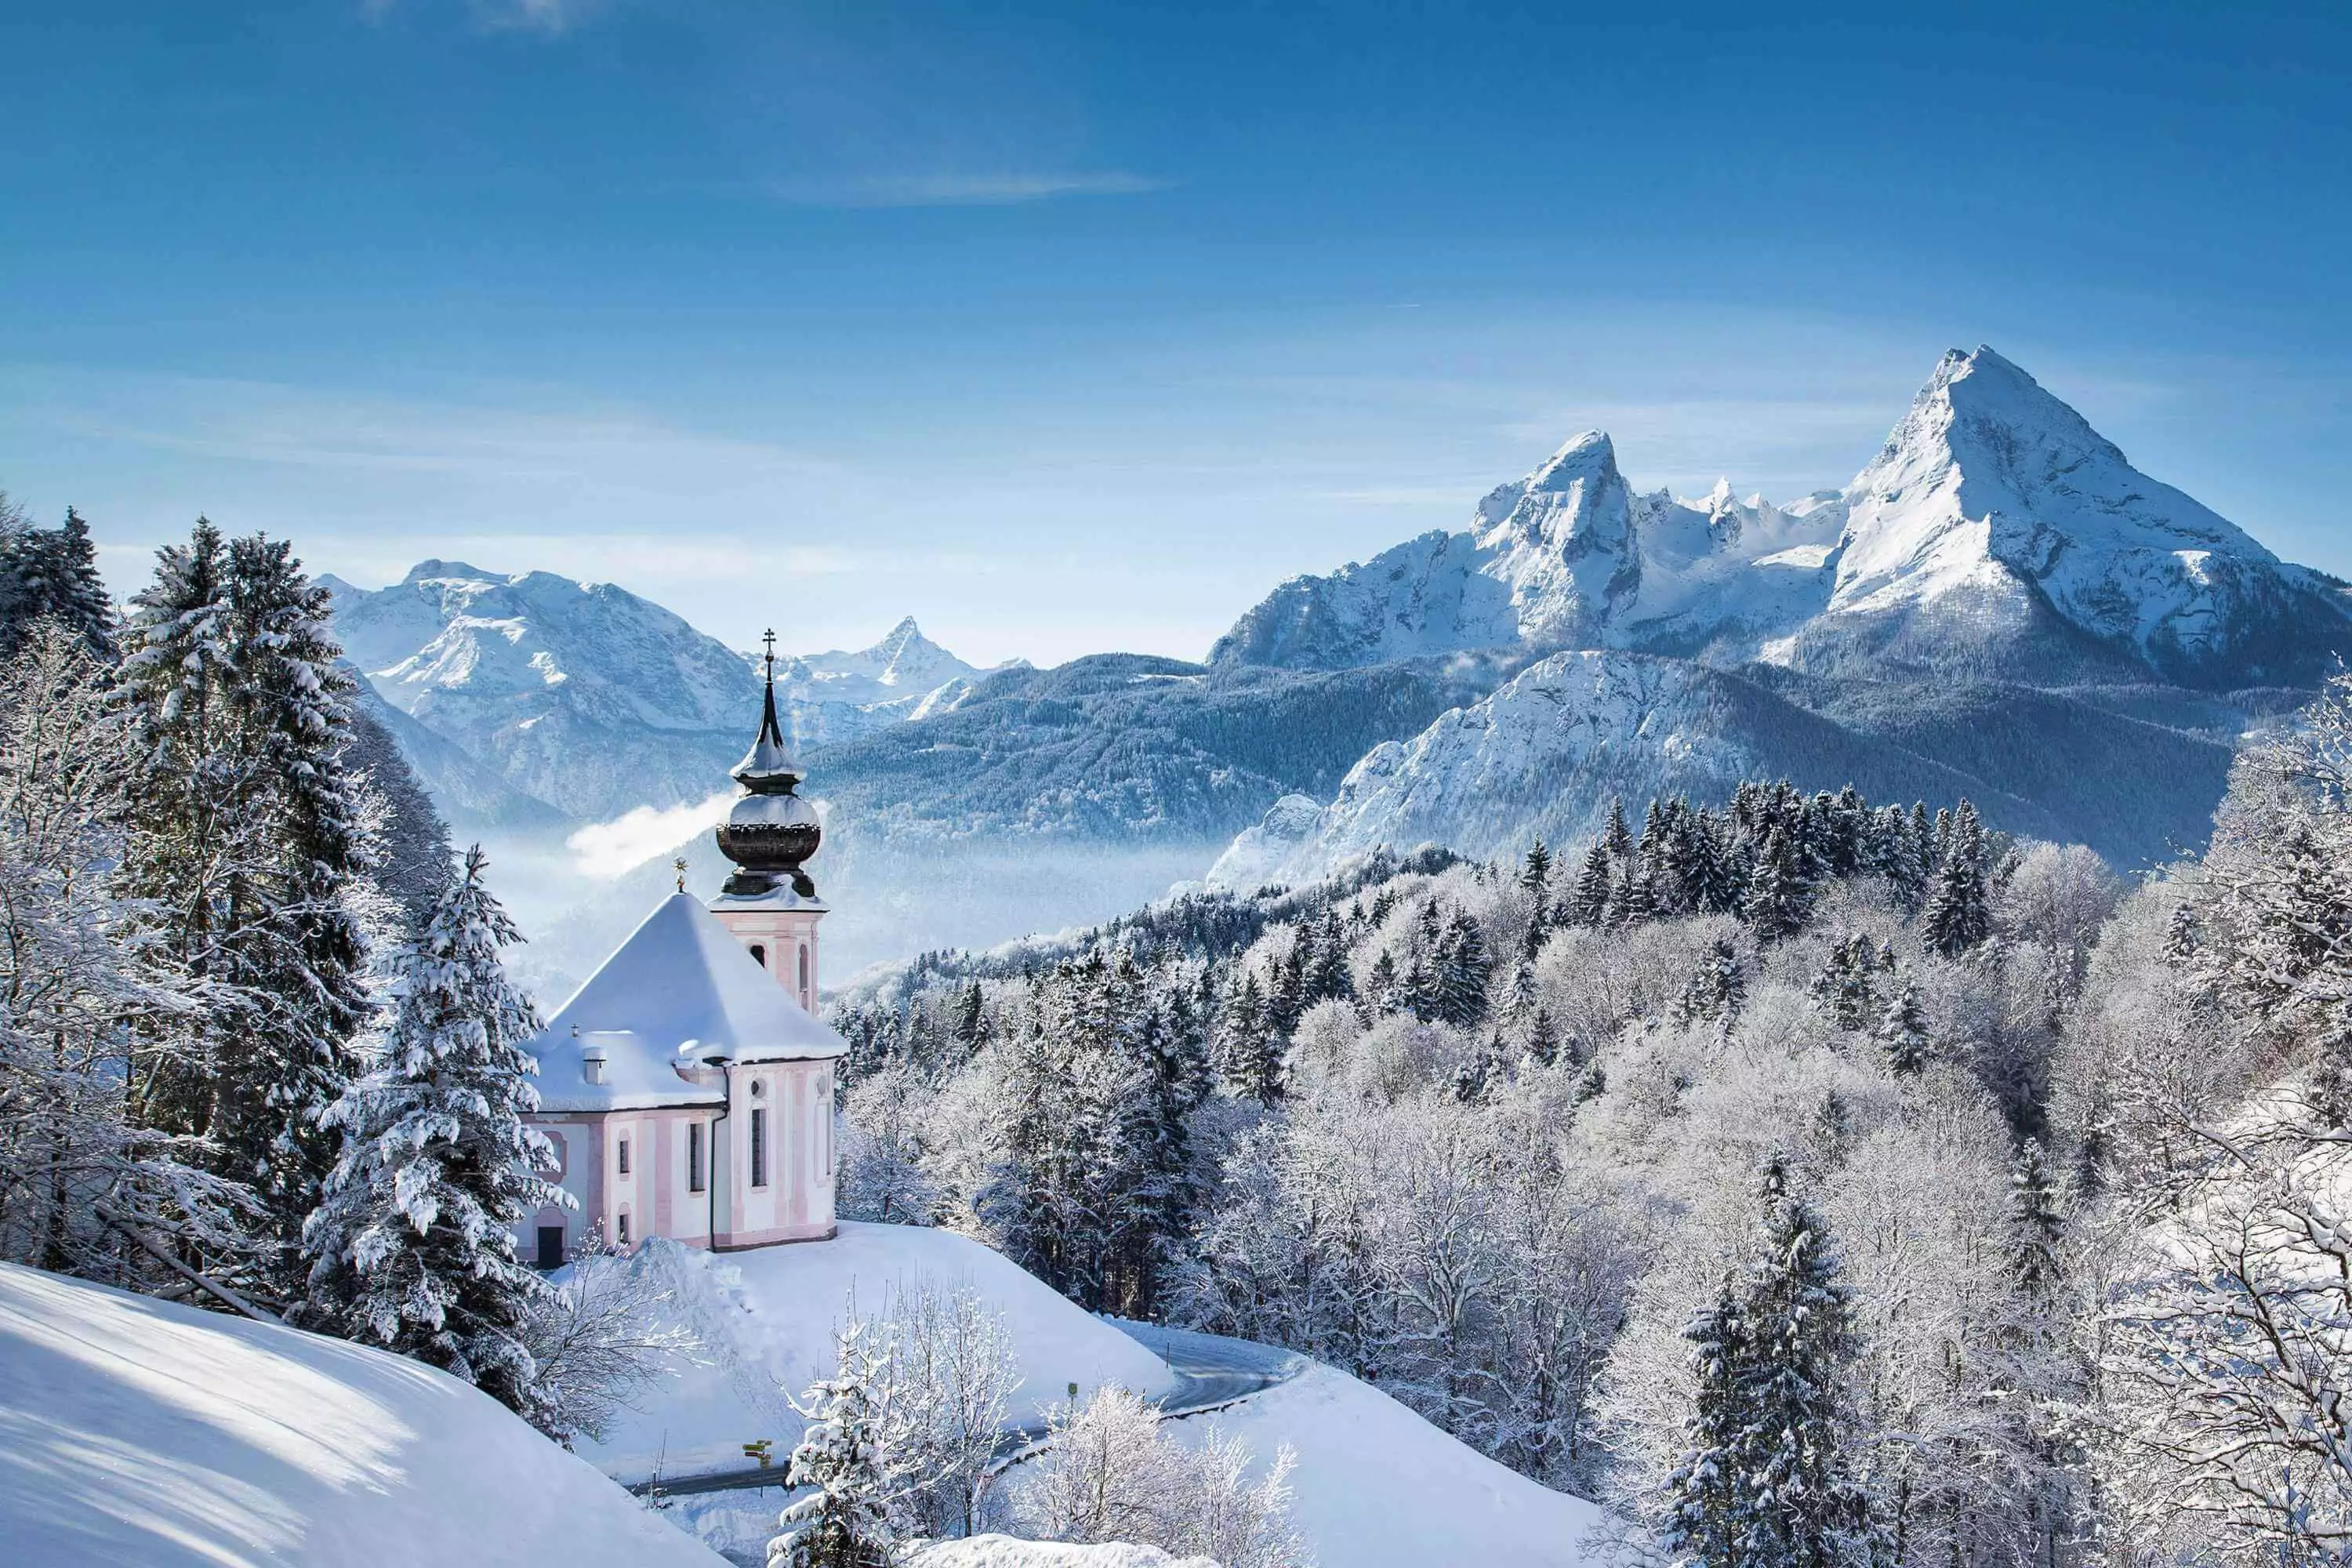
(1075, 327)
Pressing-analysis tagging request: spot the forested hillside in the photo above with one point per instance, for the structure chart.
(1990, 1174)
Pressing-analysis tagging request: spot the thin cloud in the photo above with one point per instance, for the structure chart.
(966, 190)
(605, 850)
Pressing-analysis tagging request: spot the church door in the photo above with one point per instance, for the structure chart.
(550, 1247)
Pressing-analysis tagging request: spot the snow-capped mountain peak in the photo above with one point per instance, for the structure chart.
(1995, 530)
(1996, 508)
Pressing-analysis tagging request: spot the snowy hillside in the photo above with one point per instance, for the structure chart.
(135, 1431)
(1996, 531)
(766, 1318)
(593, 700)
(1378, 1487)
(1544, 755)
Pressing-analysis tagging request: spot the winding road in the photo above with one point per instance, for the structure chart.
(1211, 1373)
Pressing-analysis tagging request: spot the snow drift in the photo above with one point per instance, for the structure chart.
(136, 1431)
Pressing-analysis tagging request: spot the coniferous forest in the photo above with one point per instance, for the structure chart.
(1813, 1179)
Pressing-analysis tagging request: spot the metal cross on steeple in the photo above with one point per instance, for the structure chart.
(769, 638)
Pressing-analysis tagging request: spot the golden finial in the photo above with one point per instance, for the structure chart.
(680, 864)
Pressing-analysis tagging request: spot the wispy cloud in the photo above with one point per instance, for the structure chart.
(608, 850)
(550, 17)
(947, 190)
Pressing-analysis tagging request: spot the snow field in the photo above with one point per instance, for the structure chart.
(135, 1431)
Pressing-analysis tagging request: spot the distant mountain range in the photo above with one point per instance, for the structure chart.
(585, 701)
(1998, 605)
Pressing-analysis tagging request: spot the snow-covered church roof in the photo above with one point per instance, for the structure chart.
(682, 991)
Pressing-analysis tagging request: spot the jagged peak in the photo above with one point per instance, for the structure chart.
(1589, 453)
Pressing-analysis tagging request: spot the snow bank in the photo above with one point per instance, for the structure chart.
(1005, 1551)
(767, 1319)
(135, 1431)
(1378, 1487)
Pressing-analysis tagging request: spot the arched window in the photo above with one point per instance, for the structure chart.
(759, 955)
(804, 966)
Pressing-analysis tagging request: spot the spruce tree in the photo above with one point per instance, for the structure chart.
(1717, 991)
(305, 960)
(1543, 1039)
(1902, 1032)
(2036, 1224)
(412, 1246)
(1588, 906)
(1535, 873)
(1959, 915)
(53, 573)
(1778, 897)
(1614, 838)
(843, 1522)
(1771, 1479)
(1462, 972)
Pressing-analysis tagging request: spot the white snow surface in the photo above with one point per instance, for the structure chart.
(138, 1431)
(767, 1317)
(1378, 1487)
(1009, 1552)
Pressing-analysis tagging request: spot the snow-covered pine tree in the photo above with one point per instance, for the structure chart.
(970, 1030)
(1386, 992)
(1588, 906)
(304, 960)
(1716, 993)
(412, 852)
(1543, 1039)
(1959, 915)
(843, 1522)
(2036, 1224)
(1902, 1032)
(1535, 876)
(256, 850)
(1843, 988)
(411, 1246)
(52, 573)
(1779, 899)
(1252, 1051)
(1615, 838)
(1772, 1481)
(1461, 969)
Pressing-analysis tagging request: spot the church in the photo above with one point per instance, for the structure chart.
(687, 1087)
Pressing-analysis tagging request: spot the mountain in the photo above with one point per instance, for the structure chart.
(1544, 755)
(590, 700)
(1996, 533)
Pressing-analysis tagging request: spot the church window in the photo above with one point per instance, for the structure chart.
(625, 1227)
(758, 1147)
(694, 1156)
(623, 1165)
(759, 955)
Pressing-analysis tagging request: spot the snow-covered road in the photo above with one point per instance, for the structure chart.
(1211, 1373)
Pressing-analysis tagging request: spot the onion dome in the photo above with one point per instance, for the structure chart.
(771, 831)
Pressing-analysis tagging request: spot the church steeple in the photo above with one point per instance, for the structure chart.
(771, 832)
(768, 767)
